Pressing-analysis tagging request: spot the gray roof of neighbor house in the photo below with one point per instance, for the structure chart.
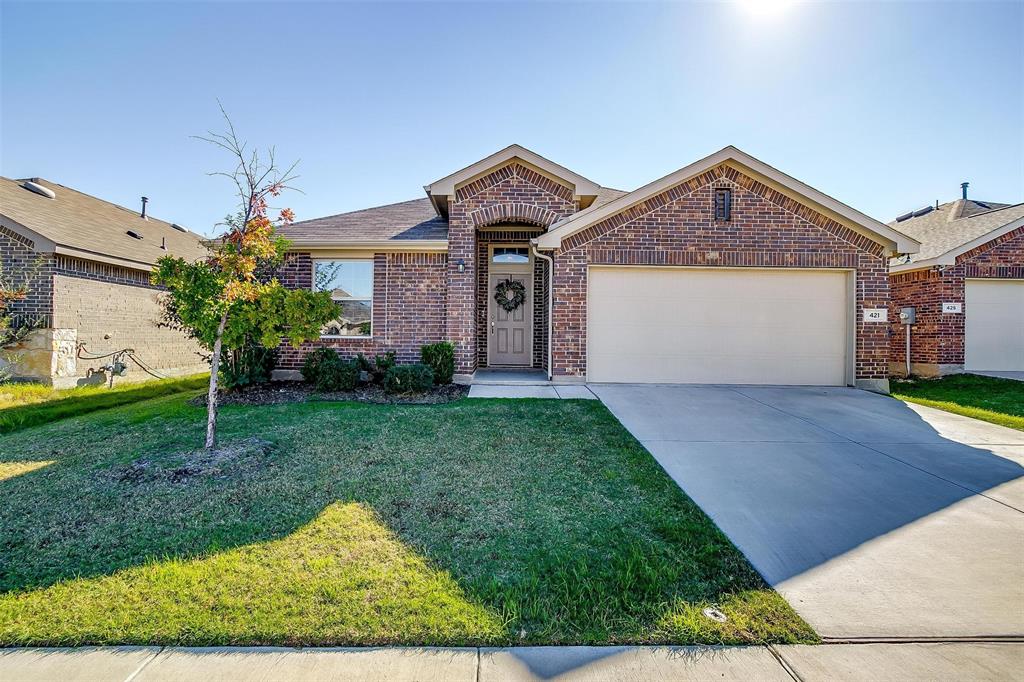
(954, 224)
(80, 225)
(414, 220)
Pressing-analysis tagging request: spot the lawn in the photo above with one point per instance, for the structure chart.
(1000, 401)
(27, 404)
(473, 522)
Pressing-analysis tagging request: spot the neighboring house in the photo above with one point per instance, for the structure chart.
(90, 263)
(966, 285)
(725, 271)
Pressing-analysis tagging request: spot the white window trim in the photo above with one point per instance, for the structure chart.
(351, 298)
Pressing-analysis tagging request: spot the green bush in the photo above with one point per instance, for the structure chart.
(246, 366)
(408, 379)
(440, 357)
(311, 365)
(328, 372)
(378, 367)
(337, 376)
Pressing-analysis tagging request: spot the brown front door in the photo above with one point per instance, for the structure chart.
(510, 334)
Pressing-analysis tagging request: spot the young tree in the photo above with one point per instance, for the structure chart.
(229, 297)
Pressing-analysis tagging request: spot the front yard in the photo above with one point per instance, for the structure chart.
(999, 401)
(474, 522)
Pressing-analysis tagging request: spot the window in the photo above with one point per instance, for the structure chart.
(351, 285)
(510, 254)
(723, 204)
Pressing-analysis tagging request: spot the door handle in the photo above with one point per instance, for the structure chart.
(492, 327)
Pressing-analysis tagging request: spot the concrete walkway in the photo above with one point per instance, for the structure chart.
(1005, 374)
(875, 519)
(553, 391)
(904, 662)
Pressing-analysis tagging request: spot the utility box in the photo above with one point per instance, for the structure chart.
(908, 315)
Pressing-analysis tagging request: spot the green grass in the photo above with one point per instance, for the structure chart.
(475, 522)
(1000, 401)
(25, 404)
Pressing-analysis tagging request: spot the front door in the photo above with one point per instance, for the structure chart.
(510, 332)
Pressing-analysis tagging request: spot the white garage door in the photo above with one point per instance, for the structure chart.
(995, 325)
(680, 325)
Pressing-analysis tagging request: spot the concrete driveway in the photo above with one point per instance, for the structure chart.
(874, 518)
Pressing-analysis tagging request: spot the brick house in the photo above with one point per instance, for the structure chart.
(88, 262)
(725, 271)
(966, 286)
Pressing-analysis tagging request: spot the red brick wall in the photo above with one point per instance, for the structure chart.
(409, 306)
(527, 197)
(937, 339)
(677, 227)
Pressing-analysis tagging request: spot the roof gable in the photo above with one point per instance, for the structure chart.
(891, 239)
(441, 191)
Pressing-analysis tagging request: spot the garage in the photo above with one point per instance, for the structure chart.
(994, 335)
(716, 325)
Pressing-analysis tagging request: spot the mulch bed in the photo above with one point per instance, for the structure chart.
(277, 392)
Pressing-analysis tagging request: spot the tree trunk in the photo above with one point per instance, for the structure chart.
(211, 396)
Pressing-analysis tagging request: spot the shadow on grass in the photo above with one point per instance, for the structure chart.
(73, 402)
(476, 522)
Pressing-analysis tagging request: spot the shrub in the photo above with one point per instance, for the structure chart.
(337, 376)
(378, 368)
(408, 379)
(328, 372)
(246, 366)
(440, 357)
(311, 365)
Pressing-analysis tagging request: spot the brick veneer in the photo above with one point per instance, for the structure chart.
(676, 227)
(18, 257)
(409, 304)
(937, 339)
(536, 198)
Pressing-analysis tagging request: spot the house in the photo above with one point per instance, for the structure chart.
(966, 286)
(725, 271)
(89, 262)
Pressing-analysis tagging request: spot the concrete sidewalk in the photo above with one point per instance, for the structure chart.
(933, 661)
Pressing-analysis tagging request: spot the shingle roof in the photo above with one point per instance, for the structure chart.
(88, 226)
(406, 220)
(954, 224)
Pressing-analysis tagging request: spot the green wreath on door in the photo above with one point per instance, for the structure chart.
(510, 294)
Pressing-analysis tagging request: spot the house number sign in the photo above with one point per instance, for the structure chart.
(952, 307)
(876, 314)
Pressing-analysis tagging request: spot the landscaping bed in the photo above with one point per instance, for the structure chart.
(278, 392)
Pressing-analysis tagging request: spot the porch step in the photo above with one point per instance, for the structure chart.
(510, 377)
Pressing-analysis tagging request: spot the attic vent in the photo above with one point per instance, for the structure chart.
(134, 235)
(921, 211)
(178, 227)
(723, 204)
(39, 189)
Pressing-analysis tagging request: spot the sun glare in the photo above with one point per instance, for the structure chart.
(765, 7)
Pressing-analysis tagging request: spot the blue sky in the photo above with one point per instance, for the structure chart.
(884, 106)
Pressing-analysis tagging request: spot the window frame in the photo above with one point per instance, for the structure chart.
(373, 268)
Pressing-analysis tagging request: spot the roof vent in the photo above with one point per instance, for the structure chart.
(178, 227)
(922, 211)
(39, 189)
(133, 234)
(963, 188)
(145, 200)
(901, 218)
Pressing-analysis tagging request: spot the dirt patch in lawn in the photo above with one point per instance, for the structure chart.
(183, 467)
(277, 392)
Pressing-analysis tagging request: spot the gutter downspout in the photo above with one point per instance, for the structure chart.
(551, 298)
